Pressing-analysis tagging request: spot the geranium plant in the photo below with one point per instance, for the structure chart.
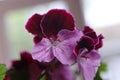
(58, 44)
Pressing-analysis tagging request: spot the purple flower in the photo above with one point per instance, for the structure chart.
(55, 36)
(61, 73)
(86, 53)
(61, 48)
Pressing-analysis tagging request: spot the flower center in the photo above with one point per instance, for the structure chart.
(54, 41)
(84, 53)
(57, 41)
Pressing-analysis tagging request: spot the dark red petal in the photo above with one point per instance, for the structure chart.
(34, 71)
(90, 32)
(55, 20)
(7, 77)
(86, 42)
(92, 35)
(26, 56)
(87, 29)
(33, 24)
(100, 44)
(37, 39)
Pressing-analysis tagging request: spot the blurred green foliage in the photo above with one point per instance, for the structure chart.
(2, 71)
(102, 68)
(43, 78)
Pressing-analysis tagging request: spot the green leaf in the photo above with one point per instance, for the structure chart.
(2, 71)
(43, 78)
(102, 68)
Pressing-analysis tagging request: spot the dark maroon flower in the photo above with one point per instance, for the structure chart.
(55, 20)
(26, 68)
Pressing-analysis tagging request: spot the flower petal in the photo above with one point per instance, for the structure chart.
(74, 35)
(64, 52)
(55, 20)
(100, 42)
(37, 39)
(43, 51)
(33, 24)
(95, 58)
(87, 29)
(62, 73)
(85, 42)
(88, 66)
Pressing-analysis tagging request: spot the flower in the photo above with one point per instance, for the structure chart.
(86, 53)
(62, 72)
(61, 48)
(55, 36)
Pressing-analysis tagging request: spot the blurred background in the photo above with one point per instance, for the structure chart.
(102, 15)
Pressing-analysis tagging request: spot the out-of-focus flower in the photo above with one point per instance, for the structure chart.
(7, 77)
(86, 52)
(26, 68)
(61, 73)
(55, 36)
(29, 69)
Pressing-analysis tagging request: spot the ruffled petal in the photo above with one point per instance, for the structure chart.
(87, 30)
(100, 42)
(85, 42)
(33, 24)
(64, 52)
(62, 73)
(43, 51)
(88, 65)
(74, 35)
(55, 20)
